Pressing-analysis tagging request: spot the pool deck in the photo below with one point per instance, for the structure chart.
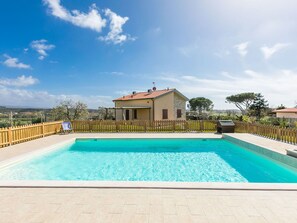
(45, 204)
(85, 205)
(273, 145)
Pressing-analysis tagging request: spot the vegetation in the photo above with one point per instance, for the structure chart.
(200, 104)
(280, 107)
(259, 106)
(242, 101)
(70, 110)
(105, 114)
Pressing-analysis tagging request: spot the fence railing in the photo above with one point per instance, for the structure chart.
(14, 135)
(288, 135)
(18, 134)
(144, 126)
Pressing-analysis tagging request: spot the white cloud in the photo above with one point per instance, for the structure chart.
(91, 20)
(14, 62)
(222, 54)
(276, 86)
(115, 35)
(23, 97)
(21, 81)
(41, 46)
(242, 48)
(189, 50)
(270, 51)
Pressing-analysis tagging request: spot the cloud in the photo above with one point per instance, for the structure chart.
(91, 20)
(242, 48)
(21, 81)
(276, 86)
(115, 35)
(41, 46)
(189, 50)
(222, 54)
(43, 99)
(270, 51)
(14, 62)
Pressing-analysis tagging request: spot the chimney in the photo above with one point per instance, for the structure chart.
(149, 91)
(134, 92)
(154, 88)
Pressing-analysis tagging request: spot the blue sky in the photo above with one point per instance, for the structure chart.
(95, 51)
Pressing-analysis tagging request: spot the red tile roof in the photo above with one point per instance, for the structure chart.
(287, 110)
(144, 95)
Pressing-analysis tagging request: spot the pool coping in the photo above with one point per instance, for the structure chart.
(132, 184)
(150, 185)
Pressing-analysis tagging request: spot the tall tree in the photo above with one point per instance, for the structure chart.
(70, 110)
(259, 106)
(200, 104)
(242, 101)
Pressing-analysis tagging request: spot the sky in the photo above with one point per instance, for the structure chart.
(97, 50)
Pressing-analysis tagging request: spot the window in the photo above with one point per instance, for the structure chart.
(135, 114)
(164, 113)
(178, 113)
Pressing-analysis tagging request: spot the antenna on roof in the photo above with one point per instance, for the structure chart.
(154, 86)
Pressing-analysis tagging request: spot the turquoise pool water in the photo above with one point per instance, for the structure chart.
(185, 160)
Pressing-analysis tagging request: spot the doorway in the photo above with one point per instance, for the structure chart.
(127, 114)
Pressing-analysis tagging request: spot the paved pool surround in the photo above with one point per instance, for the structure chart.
(273, 149)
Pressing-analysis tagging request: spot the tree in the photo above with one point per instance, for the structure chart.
(242, 101)
(280, 107)
(200, 104)
(70, 110)
(259, 106)
(105, 113)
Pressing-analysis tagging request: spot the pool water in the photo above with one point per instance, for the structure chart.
(183, 160)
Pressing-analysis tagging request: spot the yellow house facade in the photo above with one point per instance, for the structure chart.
(167, 104)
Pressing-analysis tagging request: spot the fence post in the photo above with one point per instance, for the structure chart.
(201, 126)
(42, 129)
(173, 126)
(278, 134)
(10, 136)
(144, 126)
(187, 126)
(117, 126)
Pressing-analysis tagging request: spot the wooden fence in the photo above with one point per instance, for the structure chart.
(14, 135)
(288, 135)
(18, 134)
(144, 126)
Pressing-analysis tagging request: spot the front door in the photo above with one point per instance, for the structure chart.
(127, 115)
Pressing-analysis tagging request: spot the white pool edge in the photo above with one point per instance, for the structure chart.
(150, 185)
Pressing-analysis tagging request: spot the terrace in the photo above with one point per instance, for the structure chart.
(137, 202)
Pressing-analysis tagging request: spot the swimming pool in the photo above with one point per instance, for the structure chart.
(172, 160)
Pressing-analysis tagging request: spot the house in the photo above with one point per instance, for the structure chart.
(167, 104)
(286, 113)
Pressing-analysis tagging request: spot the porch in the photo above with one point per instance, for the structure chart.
(133, 113)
